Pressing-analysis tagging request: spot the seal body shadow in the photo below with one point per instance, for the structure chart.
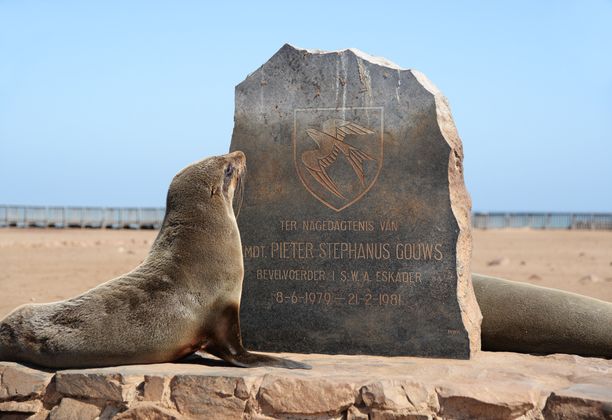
(184, 297)
(525, 318)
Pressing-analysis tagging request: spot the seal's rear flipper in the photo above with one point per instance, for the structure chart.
(247, 360)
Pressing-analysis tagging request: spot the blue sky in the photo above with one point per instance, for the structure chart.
(101, 102)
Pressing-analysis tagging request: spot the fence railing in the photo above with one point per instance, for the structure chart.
(599, 221)
(152, 217)
(82, 217)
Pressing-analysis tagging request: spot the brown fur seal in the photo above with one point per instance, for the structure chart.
(184, 297)
(524, 318)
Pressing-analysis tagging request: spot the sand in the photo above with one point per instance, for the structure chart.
(43, 265)
(575, 261)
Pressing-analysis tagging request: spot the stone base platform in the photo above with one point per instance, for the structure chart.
(491, 386)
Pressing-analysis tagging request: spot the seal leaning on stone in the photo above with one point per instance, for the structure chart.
(184, 297)
(525, 318)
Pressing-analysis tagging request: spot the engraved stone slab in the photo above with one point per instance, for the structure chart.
(355, 219)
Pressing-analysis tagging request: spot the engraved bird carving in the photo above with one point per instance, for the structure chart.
(331, 143)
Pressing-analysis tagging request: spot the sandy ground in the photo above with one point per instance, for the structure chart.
(43, 265)
(575, 261)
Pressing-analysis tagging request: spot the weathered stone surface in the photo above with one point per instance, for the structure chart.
(292, 396)
(109, 412)
(397, 415)
(354, 413)
(355, 221)
(18, 381)
(147, 411)
(32, 406)
(580, 401)
(154, 387)
(490, 385)
(51, 397)
(43, 414)
(71, 409)
(505, 399)
(103, 385)
(212, 397)
(399, 395)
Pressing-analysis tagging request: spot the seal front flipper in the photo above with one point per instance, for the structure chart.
(226, 343)
(247, 359)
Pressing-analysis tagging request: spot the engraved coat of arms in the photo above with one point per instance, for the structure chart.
(338, 153)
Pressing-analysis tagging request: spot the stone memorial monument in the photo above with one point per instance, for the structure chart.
(355, 221)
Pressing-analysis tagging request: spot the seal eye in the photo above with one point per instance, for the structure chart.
(229, 170)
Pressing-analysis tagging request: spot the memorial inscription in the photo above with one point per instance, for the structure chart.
(355, 220)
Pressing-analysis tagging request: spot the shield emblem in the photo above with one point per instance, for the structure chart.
(338, 152)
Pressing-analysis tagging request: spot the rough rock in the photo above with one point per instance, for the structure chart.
(103, 386)
(31, 406)
(397, 415)
(407, 396)
(356, 220)
(71, 409)
(580, 401)
(193, 397)
(109, 412)
(154, 387)
(18, 381)
(510, 398)
(354, 413)
(147, 410)
(44, 415)
(491, 385)
(293, 396)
